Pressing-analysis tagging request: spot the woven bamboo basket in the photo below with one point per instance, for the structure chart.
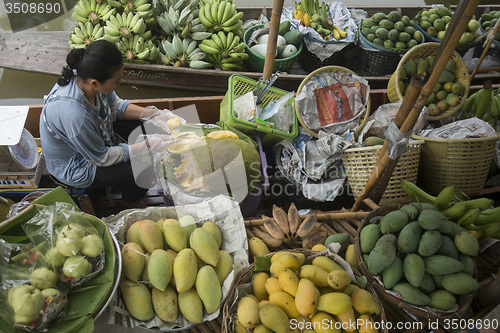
(325, 69)
(422, 51)
(245, 277)
(359, 163)
(463, 301)
(464, 163)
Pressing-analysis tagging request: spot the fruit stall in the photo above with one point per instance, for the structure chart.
(329, 207)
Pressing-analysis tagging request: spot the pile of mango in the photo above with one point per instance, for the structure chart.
(299, 294)
(421, 254)
(173, 266)
(448, 91)
(488, 21)
(392, 31)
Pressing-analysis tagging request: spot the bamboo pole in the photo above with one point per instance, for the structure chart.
(490, 37)
(273, 38)
(460, 19)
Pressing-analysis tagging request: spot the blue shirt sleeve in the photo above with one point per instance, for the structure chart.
(117, 105)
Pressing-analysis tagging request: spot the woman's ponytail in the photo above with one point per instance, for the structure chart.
(73, 58)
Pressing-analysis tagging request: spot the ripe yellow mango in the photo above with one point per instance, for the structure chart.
(150, 235)
(300, 256)
(339, 279)
(349, 289)
(334, 303)
(137, 298)
(318, 276)
(274, 318)
(326, 264)
(319, 247)
(272, 285)
(350, 257)
(133, 261)
(248, 312)
(224, 266)
(160, 222)
(366, 324)
(185, 269)
(204, 245)
(261, 328)
(364, 303)
(191, 306)
(259, 285)
(257, 247)
(159, 269)
(285, 302)
(165, 303)
(213, 228)
(175, 235)
(263, 302)
(172, 255)
(285, 261)
(132, 235)
(306, 297)
(347, 320)
(322, 322)
(289, 281)
(208, 288)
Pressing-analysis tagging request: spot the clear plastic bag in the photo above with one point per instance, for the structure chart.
(280, 112)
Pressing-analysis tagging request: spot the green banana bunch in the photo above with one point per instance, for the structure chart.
(224, 51)
(221, 16)
(136, 49)
(177, 4)
(93, 11)
(124, 25)
(143, 8)
(181, 22)
(182, 53)
(416, 193)
(84, 34)
(483, 104)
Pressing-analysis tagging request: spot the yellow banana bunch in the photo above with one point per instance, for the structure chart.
(84, 34)
(224, 50)
(143, 8)
(125, 25)
(221, 16)
(93, 11)
(137, 49)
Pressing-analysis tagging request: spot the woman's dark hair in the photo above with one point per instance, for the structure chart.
(100, 60)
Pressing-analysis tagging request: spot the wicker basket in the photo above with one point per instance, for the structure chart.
(464, 163)
(463, 301)
(423, 51)
(359, 163)
(245, 276)
(337, 69)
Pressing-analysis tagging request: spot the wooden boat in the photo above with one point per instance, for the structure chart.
(45, 52)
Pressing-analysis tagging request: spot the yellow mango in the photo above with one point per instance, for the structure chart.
(300, 256)
(349, 289)
(318, 276)
(261, 328)
(150, 235)
(191, 306)
(350, 257)
(160, 223)
(263, 302)
(364, 302)
(326, 264)
(175, 235)
(319, 247)
(325, 290)
(289, 281)
(208, 288)
(334, 303)
(137, 298)
(259, 285)
(165, 303)
(274, 318)
(257, 247)
(185, 270)
(366, 324)
(224, 266)
(285, 302)
(133, 261)
(160, 269)
(324, 323)
(347, 320)
(339, 279)
(306, 297)
(144, 275)
(204, 245)
(172, 255)
(248, 312)
(285, 261)
(188, 223)
(213, 228)
(132, 235)
(238, 328)
(272, 285)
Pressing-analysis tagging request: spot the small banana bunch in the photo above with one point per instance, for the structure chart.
(124, 25)
(288, 228)
(84, 34)
(315, 15)
(483, 104)
(182, 53)
(137, 49)
(475, 215)
(221, 16)
(224, 51)
(93, 11)
(143, 8)
(182, 22)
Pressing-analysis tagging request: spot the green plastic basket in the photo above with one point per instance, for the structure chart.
(238, 86)
(255, 62)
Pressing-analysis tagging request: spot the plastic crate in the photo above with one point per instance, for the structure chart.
(238, 86)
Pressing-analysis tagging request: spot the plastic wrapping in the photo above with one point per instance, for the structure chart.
(280, 112)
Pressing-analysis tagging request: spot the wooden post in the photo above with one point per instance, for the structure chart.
(273, 38)
(490, 36)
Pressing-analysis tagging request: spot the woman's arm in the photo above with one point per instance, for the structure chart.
(134, 112)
